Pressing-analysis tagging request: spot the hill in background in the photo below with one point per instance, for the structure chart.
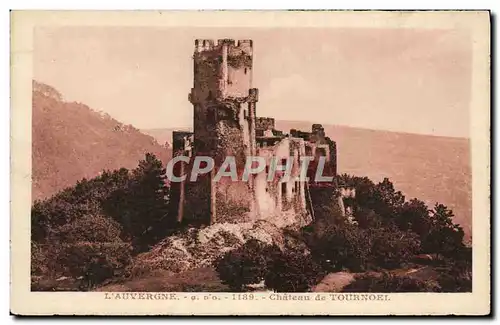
(431, 168)
(70, 141)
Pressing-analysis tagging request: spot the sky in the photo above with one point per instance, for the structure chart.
(406, 80)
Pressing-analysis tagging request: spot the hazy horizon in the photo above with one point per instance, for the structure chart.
(401, 80)
(186, 127)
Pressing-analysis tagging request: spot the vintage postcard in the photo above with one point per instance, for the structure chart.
(250, 163)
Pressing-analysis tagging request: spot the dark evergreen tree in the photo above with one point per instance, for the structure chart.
(142, 206)
(445, 238)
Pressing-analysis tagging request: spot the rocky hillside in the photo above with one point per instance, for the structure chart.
(433, 169)
(71, 141)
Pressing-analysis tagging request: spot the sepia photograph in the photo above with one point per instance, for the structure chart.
(254, 163)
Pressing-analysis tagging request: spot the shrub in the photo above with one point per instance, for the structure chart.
(367, 218)
(381, 205)
(245, 265)
(85, 198)
(95, 262)
(137, 200)
(349, 247)
(89, 248)
(388, 282)
(88, 228)
(38, 260)
(456, 281)
(293, 272)
(325, 206)
(339, 247)
(457, 275)
(390, 247)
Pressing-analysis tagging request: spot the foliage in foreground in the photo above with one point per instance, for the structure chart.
(245, 265)
(254, 262)
(387, 233)
(390, 283)
(291, 271)
(90, 231)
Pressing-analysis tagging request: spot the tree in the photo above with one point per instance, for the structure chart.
(387, 202)
(245, 265)
(367, 218)
(445, 237)
(414, 215)
(325, 204)
(142, 206)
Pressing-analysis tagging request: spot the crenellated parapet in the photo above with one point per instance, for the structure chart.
(235, 46)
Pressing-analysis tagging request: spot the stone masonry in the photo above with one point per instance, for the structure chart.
(226, 124)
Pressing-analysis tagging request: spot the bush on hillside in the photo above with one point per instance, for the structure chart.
(292, 271)
(87, 231)
(348, 247)
(245, 265)
(137, 200)
(338, 247)
(39, 262)
(89, 248)
(326, 208)
(95, 262)
(85, 198)
(388, 282)
(390, 247)
(88, 228)
(382, 206)
(456, 275)
(456, 281)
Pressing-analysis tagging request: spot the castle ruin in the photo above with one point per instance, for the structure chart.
(225, 124)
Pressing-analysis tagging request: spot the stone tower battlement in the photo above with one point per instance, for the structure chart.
(222, 69)
(206, 45)
(223, 98)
